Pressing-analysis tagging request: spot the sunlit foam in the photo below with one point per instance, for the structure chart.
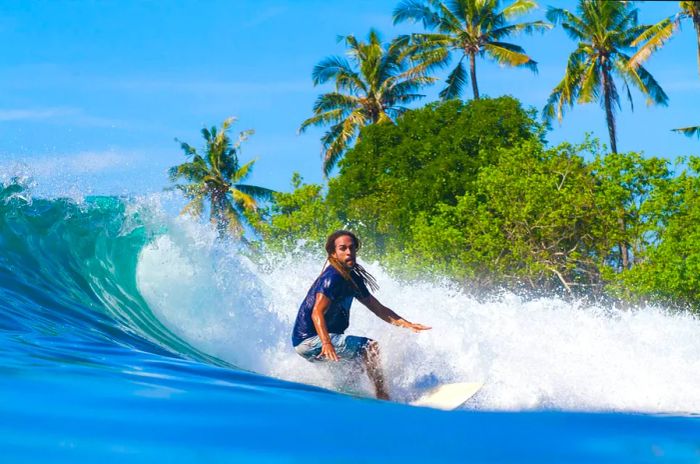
(540, 354)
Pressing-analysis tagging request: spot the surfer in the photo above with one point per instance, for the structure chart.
(324, 314)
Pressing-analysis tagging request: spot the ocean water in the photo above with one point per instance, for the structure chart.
(129, 334)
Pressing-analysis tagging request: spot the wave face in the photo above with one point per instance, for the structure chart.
(125, 327)
(68, 268)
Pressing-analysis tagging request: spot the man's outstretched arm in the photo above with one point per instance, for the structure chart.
(387, 315)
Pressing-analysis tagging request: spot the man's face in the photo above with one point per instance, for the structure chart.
(345, 250)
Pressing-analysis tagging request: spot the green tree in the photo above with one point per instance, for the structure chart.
(605, 31)
(215, 177)
(669, 270)
(657, 35)
(371, 88)
(531, 221)
(468, 28)
(627, 184)
(297, 221)
(430, 156)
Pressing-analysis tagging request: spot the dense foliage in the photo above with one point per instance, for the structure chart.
(431, 157)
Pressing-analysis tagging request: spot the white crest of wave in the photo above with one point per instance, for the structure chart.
(542, 354)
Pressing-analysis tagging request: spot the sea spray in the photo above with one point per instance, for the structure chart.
(545, 353)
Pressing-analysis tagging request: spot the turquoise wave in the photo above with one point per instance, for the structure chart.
(68, 268)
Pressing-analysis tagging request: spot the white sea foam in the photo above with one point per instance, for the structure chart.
(540, 354)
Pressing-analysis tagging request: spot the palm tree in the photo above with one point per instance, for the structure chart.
(605, 31)
(658, 34)
(689, 131)
(215, 177)
(467, 28)
(370, 88)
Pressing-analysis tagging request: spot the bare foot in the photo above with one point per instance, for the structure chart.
(383, 396)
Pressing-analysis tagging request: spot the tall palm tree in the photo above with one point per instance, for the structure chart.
(604, 31)
(657, 35)
(371, 87)
(468, 28)
(215, 177)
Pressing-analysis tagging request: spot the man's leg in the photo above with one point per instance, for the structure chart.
(372, 362)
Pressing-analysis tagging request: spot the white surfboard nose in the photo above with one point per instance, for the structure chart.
(448, 396)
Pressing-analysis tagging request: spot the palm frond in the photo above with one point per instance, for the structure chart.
(450, 21)
(528, 28)
(244, 200)
(455, 82)
(518, 8)
(689, 131)
(335, 100)
(258, 193)
(416, 11)
(590, 82)
(405, 99)
(329, 117)
(194, 170)
(195, 207)
(242, 137)
(243, 172)
(655, 37)
(231, 218)
(510, 55)
(566, 92)
(643, 80)
(206, 134)
(573, 25)
(338, 138)
(189, 150)
(329, 68)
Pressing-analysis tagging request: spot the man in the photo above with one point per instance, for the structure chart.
(325, 312)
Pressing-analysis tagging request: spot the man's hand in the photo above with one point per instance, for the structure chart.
(328, 352)
(415, 327)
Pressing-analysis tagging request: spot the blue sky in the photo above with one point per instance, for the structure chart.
(93, 93)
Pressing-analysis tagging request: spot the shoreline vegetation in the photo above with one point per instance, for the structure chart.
(471, 190)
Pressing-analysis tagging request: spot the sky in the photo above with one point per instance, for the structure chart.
(93, 94)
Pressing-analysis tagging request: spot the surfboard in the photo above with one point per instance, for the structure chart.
(448, 396)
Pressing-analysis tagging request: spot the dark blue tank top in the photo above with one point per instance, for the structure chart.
(341, 292)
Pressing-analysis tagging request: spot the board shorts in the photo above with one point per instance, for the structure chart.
(348, 347)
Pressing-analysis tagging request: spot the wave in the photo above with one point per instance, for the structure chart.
(127, 271)
(68, 267)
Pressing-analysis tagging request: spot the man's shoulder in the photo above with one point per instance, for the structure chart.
(331, 272)
(329, 276)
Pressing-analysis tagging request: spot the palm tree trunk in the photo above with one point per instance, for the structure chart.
(607, 96)
(472, 72)
(217, 214)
